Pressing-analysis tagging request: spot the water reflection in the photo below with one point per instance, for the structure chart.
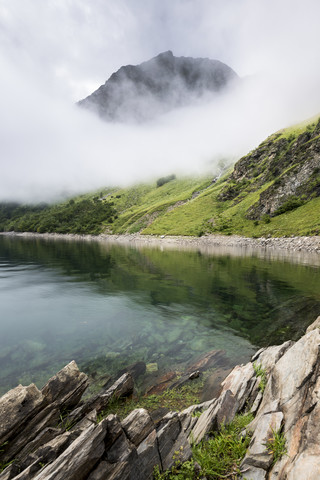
(107, 306)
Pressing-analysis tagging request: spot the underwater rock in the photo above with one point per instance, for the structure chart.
(207, 360)
(135, 370)
(152, 367)
(161, 384)
(194, 375)
(212, 387)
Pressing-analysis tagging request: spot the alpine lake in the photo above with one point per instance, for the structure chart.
(108, 306)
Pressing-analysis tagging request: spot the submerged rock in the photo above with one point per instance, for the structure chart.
(135, 370)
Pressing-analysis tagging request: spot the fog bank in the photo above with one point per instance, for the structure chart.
(54, 53)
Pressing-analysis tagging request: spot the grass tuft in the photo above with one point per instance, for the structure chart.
(175, 399)
(276, 445)
(262, 373)
(216, 458)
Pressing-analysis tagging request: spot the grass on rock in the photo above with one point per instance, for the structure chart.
(218, 457)
(174, 399)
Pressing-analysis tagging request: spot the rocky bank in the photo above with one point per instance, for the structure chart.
(51, 434)
(206, 243)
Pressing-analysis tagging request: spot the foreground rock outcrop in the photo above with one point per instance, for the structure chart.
(50, 434)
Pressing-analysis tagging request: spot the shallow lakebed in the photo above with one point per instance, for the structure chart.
(107, 306)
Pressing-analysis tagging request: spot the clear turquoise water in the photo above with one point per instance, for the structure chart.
(108, 306)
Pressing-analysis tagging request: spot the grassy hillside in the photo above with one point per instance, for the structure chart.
(274, 190)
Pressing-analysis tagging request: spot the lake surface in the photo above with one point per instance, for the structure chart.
(107, 306)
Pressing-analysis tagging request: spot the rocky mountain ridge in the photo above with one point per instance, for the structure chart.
(39, 442)
(288, 166)
(141, 92)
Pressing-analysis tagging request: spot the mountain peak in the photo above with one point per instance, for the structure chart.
(141, 92)
(167, 54)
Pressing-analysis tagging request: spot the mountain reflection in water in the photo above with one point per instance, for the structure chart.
(107, 306)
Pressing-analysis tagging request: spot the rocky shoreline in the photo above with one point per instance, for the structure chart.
(51, 434)
(288, 244)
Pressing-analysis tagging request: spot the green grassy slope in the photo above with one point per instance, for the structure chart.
(274, 190)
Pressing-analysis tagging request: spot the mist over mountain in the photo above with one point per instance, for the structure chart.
(142, 92)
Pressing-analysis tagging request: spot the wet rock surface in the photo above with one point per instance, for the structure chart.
(43, 443)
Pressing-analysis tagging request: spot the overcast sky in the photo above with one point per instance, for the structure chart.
(55, 52)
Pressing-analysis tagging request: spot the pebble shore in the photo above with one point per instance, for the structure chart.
(304, 249)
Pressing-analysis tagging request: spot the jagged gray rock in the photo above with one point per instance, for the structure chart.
(66, 387)
(79, 458)
(137, 425)
(30, 411)
(268, 357)
(16, 407)
(49, 417)
(149, 454)
(254, 473)
(258, 455)
(47, 452)
(123, 387)
(167, 433)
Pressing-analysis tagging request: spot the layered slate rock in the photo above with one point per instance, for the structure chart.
(78, 447)
(17, 407)
(26, 413)
(289, 404)
(66, 387)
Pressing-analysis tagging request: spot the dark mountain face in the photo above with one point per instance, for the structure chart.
(141, 92)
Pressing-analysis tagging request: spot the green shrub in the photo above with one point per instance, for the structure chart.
(161, 181)
(266, 218)
(84, 216)
(292, 203)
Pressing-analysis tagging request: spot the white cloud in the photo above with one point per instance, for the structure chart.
(53, 53)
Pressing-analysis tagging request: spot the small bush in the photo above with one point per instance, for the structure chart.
(266, 218)
(161, 181)
(291, 204)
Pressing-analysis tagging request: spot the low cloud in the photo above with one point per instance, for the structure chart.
(54, 53)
